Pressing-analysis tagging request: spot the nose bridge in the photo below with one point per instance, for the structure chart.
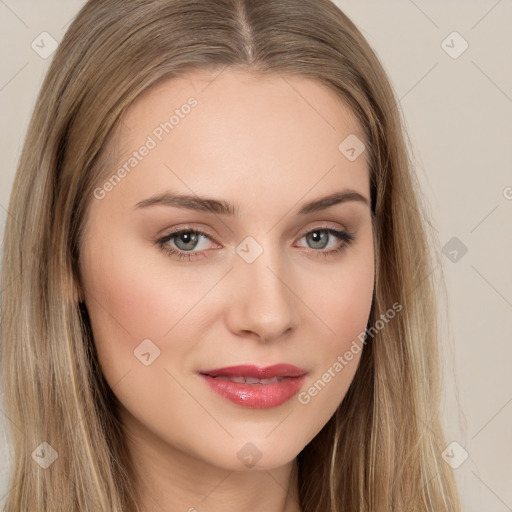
(262, 302)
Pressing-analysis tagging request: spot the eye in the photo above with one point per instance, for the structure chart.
(186, 242)
(320, 238)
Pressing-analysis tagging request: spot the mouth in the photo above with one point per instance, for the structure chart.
(254, 386)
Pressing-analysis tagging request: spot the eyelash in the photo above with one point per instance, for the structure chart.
(346, 237)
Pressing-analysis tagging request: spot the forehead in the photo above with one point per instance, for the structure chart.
(269, 134)
(222, 93)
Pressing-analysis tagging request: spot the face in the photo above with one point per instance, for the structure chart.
(261, 273)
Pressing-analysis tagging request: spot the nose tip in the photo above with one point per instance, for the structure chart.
(262, 304)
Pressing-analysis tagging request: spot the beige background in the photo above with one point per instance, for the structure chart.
(459, 115)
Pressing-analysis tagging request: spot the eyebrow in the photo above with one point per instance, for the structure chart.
(221, 207)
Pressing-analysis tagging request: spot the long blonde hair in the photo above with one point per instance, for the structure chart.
(381, 450)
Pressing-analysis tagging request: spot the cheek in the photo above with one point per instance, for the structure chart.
(133, 303)
(344, 299)
(131, 297)
(345, 311)
(346, 306)
(136, 293)
(343, 305)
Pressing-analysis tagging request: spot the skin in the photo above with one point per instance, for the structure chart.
(269, 145)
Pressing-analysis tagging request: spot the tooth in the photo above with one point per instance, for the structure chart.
(251, 380)
(240, 380)
(269, 381)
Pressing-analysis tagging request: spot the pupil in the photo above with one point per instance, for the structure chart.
(186, 238)
(317, 238)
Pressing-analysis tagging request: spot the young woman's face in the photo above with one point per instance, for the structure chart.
(255, 277)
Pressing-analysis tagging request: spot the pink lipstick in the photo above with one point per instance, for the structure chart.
(255, 386)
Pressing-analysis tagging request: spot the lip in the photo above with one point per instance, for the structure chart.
(256, 372)
(256, 396)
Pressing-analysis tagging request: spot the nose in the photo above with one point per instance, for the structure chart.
(262, 301)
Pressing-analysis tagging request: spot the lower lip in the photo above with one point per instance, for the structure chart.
(256, 396)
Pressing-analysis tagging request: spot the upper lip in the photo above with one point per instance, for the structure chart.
(256, 372)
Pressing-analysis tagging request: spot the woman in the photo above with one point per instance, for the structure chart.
(192, 170)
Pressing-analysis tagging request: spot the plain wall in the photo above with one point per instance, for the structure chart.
(458, 110)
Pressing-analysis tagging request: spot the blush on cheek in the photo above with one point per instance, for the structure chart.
(140, 297)
(346, 308)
